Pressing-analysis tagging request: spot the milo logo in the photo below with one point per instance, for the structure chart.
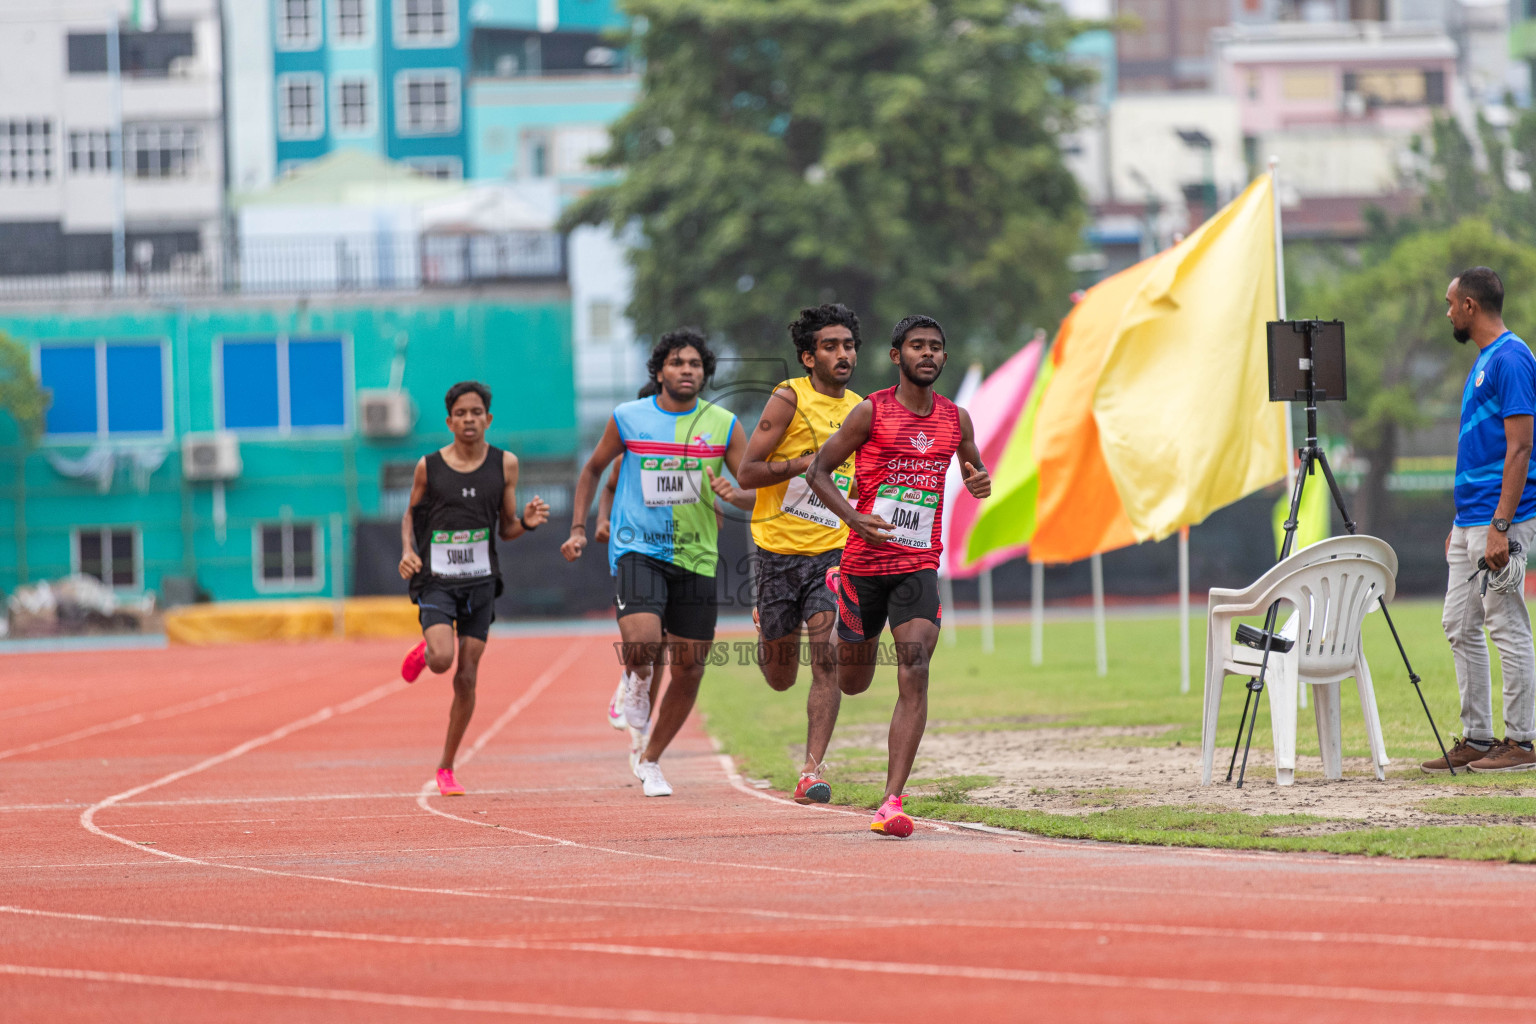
(672, 463)
(931, 500)
(459, 537)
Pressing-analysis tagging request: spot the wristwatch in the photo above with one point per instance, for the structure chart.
(1502, 525)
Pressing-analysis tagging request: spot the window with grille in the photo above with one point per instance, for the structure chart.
(90, 152)
(427, 102)
(298, 24)
(287, 556)
(354, 103)
(300, 109)
(426, 22)
(26, 151)
(109, 554)
(353, 20)
(163, 151)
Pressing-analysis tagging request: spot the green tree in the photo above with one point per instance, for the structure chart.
(1405, 369)
(20, 394)
(896, 155)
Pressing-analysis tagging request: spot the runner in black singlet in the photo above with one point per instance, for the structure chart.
(462, 499)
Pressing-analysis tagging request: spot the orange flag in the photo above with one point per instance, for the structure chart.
(1080, 512)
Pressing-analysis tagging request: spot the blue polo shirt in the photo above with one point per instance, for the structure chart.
(1501, 383)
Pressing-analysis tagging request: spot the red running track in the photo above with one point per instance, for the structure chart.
(243, 834)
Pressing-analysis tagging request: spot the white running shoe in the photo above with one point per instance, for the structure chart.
(651, 779)
(637, 701)
(616, 706)
(638, 738)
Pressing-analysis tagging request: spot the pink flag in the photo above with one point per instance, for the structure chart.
(995, 410)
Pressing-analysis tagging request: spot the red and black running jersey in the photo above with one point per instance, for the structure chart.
(899, 475)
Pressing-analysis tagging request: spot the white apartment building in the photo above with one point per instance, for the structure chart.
(60, 196)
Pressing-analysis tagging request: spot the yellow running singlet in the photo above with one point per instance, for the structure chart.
(788, 518)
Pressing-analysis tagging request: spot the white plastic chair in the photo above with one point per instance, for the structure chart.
(1332, 586)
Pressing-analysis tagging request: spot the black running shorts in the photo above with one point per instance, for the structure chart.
(791, 589)
(864, 603)
(471, 608)
(684, 600)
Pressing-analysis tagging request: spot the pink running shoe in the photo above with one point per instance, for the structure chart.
(892, 820)
(449, 786)
(415, 662)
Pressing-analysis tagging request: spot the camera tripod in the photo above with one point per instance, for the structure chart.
(1311, 457)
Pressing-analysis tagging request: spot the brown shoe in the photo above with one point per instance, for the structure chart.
(1460, 755)
(1506, 756)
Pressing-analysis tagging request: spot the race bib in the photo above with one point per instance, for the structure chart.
(910, 511)
(800, 500)
(458, 554)
(670, 480)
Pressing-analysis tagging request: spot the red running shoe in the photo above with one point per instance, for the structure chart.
(447, 784)
(892, 820)
(415, 663)
(813, 789)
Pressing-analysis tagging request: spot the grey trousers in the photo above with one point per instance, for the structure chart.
(1467, 612)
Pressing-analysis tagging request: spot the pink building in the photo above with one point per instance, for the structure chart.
(1340, 75)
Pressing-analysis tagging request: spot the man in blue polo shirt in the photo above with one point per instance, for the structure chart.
(1495, 509)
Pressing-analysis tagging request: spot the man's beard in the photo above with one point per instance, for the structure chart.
(908, 373)
(1461, 334)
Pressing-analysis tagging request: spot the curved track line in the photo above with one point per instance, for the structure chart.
(1392, 940)
(87, 816)
(344, 995)
(1075, 979)
(324, 714)
(186, 707)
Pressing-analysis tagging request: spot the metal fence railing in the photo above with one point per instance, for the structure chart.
(265, 265)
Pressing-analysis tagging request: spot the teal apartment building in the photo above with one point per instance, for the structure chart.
(242, 443)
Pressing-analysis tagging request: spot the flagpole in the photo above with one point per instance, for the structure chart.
(1036, 613)
(1280, 311)
(984, 584)
(1184, 609)
(1101, 653)
(1274, 187)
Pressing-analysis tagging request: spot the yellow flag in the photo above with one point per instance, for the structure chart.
(1182, 403)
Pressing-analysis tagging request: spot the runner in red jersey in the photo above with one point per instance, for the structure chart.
(904, 437)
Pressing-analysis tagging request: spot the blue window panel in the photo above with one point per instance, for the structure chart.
(135, 389)
(316, 383)
(69, 372)
(250, 385)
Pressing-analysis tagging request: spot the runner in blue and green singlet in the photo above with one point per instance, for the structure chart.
(664, 542)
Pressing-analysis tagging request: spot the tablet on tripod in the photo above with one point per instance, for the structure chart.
(1295, 346)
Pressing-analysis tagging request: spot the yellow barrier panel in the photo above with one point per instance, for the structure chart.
(241, 622)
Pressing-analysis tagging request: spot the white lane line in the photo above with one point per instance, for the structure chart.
(344, 995)
(87, 816)
(219, 801)
(1350, 993)
(305, 823)
(324, 714)
(1160, 931)
(212, 700)
(46, 705)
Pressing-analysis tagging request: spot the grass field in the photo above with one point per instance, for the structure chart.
(971, 691)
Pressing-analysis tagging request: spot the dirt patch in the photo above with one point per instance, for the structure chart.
(1081, 770)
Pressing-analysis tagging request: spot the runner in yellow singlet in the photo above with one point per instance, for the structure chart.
(798, 539)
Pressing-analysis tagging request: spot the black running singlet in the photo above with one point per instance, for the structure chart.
(455, 524)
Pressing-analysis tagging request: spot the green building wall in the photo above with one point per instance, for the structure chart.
(519, 344)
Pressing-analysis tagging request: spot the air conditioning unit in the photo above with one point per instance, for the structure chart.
(213, 456)
(382, 413)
